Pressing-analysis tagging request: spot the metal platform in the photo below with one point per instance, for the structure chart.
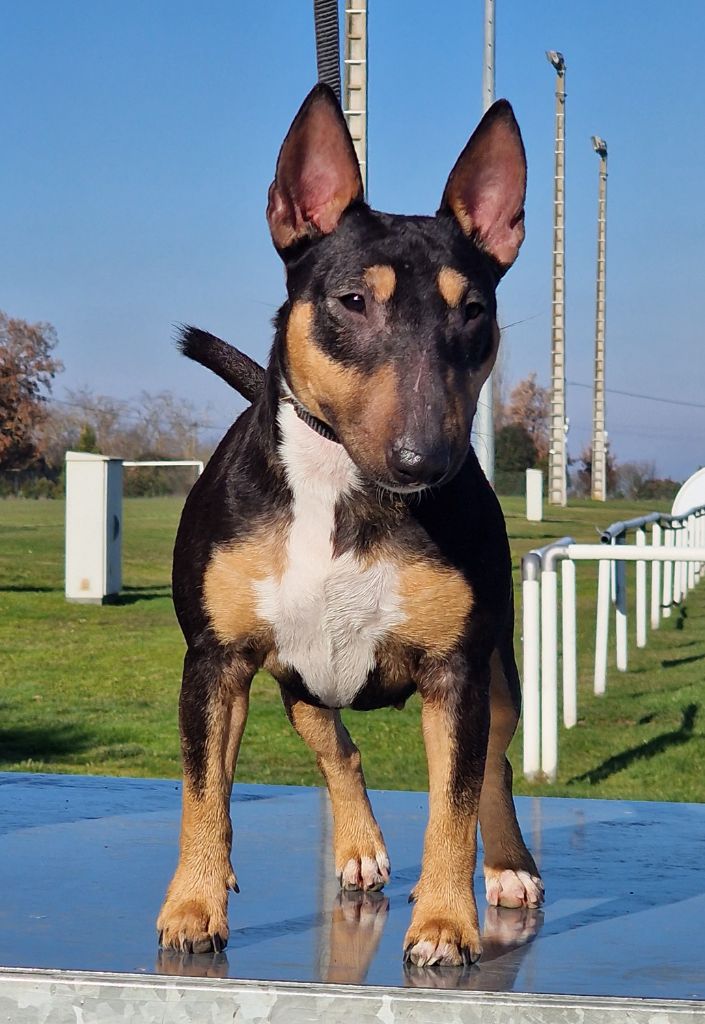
(85, 862)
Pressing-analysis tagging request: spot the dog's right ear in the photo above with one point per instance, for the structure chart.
(317, 174)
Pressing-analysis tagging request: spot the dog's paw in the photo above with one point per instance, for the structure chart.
(193, 926)
(441, 942)
(368, 872)
(195, 921)
(513, 889)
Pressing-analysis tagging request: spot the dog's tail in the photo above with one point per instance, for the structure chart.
(233, 366)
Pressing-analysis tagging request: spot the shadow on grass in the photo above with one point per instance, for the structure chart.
(645, 751)
(27, 588)
(43, 743)
(673, 662)
(131, 595)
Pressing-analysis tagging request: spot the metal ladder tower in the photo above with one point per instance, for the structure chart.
(355, 79)
(599, 437)
(557, 458)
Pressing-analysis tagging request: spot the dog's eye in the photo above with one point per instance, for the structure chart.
(473, 310)
(353, 302)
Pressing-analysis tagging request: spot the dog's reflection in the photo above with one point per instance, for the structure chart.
(357, 921)
(191, 965)
(356, 926)
(506, 937)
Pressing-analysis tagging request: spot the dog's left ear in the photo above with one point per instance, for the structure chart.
(487, 187)
(317, 174)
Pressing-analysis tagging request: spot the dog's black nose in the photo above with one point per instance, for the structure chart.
(410, 466)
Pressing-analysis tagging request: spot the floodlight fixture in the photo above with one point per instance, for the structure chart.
(557, 59)
(599, 145)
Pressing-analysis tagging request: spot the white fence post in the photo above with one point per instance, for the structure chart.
(602, 626)
(690, 537)
(620, 600)
(569, 644)
(667, 576)
(641, 593)
(655, 580)
(549, 674)
(531, 643)
(678, 588)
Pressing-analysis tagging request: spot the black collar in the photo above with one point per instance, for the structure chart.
(310, 420)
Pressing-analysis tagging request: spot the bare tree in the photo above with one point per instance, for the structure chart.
(634, 479)
(152, 425)
(582, 478)
(80, 411)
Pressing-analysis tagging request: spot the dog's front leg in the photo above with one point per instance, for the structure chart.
(455, 719)
(212, 716)
(361, 859)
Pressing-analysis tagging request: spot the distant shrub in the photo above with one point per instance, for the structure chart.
(38, 482)
(510, 484)
(514, 448)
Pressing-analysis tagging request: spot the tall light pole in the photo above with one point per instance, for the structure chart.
(557, 457)
(483, 428)
(355, 79)
(599, 444)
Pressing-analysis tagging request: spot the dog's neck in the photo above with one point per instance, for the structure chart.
(304, 414)
(307, 460)
(311, 461)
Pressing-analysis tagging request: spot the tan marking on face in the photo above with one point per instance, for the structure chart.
(228, 585)
(435, 601)
(374, 424)
(365, 407)
(452, 285)
(381, 280)
(315, 377)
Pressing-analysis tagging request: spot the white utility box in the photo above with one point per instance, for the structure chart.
(534, 495)
(93, 527)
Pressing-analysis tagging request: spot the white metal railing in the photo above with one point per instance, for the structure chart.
(677, 544)
(198, 463)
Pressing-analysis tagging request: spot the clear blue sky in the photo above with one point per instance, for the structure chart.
(139, 139)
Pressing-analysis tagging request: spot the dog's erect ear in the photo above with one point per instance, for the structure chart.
(487, 187)
(317, 174)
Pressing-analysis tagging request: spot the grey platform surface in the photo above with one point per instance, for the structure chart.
(85, 861)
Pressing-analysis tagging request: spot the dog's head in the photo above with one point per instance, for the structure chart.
(391, 326)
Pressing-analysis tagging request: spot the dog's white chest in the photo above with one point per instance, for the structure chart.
(328, 614)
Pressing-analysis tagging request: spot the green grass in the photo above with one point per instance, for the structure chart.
(91, 689)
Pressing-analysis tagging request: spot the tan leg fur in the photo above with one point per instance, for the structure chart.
(361, 860)
(444, 926)
(194, 915)
(511, 875)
